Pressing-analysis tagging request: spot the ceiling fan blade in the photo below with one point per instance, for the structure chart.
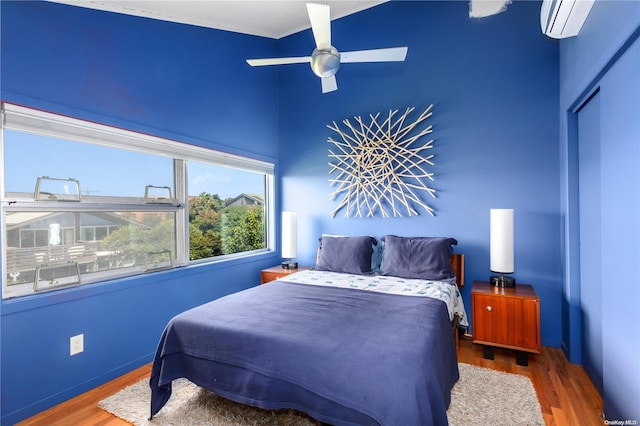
(393, 54)
(320, 17)
(329, 84)
(279, 61)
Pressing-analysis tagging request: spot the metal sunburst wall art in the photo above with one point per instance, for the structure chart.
(380, 166)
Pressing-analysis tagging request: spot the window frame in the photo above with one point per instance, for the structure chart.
(23, 119)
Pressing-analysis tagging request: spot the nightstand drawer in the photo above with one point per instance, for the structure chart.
(507, 322)
(277, 272)
(506, 317)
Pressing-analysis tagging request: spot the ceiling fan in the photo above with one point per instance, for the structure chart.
(325, 59)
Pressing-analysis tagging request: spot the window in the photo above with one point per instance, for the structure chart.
(229, 221)
(82, 203)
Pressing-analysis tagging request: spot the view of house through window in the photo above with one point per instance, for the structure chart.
(51, 248)
(106, 203)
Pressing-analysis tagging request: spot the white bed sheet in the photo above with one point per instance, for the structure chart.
(442, 290)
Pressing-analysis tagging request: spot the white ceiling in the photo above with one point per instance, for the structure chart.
(266, 18)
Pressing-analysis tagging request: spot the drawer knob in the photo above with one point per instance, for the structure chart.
(489, 309)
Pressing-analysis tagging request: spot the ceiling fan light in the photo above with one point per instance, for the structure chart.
(325, 62)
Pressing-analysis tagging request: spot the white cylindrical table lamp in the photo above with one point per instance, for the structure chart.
(289, 239)
(501, 247)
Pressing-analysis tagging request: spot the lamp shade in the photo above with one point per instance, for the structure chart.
(289, 234)
(501, 246)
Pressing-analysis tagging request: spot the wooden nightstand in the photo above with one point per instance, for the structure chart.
(276, 272)
(507, 318)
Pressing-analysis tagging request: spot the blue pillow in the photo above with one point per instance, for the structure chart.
(427, 258)
(350, 255)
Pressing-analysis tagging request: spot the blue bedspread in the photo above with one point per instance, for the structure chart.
(344, 356)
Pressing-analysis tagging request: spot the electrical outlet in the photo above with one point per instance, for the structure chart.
(76, 344)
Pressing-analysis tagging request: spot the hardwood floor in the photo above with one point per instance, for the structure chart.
(83, 410)
(566, 395)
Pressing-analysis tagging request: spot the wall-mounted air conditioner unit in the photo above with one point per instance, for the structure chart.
(564, 18)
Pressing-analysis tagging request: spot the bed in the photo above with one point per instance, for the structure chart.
(349, 342)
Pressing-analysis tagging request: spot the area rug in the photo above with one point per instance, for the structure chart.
(481, 397)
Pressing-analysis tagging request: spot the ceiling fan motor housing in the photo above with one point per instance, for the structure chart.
(325, 62)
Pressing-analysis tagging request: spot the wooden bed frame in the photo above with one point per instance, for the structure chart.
(457, 262)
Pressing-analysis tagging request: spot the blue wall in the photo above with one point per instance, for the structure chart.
(494, 86)
(495, 89)
(605, 57)
(175, 81)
